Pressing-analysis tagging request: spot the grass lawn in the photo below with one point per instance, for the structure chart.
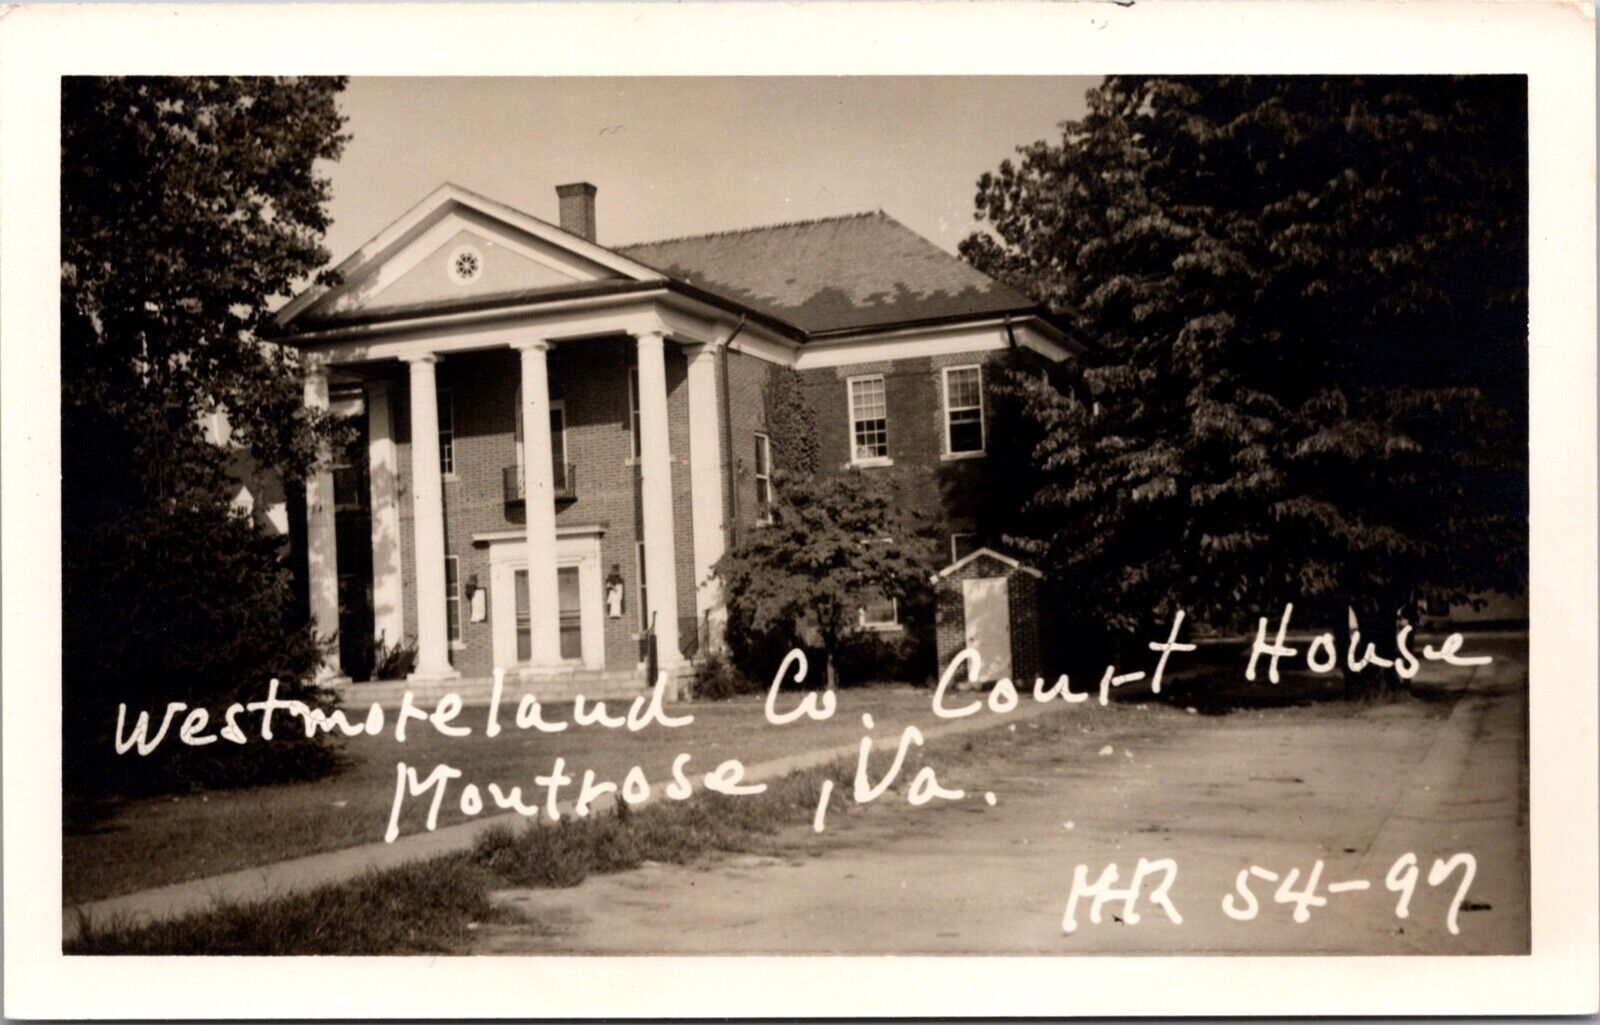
(432, 906)
(139, 844)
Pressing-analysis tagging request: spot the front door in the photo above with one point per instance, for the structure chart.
(988, 615)
(571, 615)
(578, 589)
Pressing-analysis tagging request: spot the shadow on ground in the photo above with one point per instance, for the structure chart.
(1211, 681)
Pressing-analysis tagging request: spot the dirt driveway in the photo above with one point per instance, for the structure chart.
(1355, 787)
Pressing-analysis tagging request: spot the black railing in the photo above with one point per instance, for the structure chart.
(564, 477)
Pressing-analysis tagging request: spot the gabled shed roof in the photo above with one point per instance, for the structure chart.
(990, 553)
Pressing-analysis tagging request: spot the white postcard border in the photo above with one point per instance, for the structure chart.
(1551, 42)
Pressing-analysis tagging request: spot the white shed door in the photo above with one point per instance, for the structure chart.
(988, 614)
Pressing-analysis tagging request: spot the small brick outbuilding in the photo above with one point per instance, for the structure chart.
(991, 602)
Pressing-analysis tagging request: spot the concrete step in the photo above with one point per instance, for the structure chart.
(610, 684)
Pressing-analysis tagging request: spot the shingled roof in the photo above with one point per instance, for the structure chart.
(840, 273)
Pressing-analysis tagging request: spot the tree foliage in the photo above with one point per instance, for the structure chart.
(1309, 301)
(189, 205)
(836, 541)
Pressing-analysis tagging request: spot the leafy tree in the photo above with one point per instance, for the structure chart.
(1309, 297)
(188, 206)
(836, 540)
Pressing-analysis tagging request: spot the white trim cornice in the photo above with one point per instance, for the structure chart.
(908, 344)
(433, 208)
(490, 537)
(942, 340)
(683, 319)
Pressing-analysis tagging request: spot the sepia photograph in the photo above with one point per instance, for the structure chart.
(970, 392)
(577, 517)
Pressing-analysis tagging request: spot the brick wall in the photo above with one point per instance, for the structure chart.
(590, 378)
(682, 496)
(950, 489)
(1027, 644)
(1023, 593)
(950, 623)
(747, 380)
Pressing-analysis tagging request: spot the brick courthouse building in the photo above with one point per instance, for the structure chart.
(557, 440)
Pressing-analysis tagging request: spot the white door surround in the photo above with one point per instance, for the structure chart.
(508, 555)
(986, 606)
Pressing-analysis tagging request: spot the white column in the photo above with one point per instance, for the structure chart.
(705, 482)
(539, 503)
(427, 501)
(655, 483)
(322, 546)
(388, 589)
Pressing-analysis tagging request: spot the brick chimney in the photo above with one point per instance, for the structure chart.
(577, 208)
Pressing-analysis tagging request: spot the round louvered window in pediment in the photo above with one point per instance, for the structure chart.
(466, 265)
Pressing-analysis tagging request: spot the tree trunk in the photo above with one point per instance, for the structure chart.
(830, 644)
(1376, 625)
(1341, 637)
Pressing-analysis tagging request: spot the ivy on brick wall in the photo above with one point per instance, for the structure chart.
(791, 423)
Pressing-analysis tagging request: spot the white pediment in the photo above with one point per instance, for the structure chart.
(456, 245)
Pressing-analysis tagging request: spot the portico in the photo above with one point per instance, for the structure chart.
(451, 283)
(538, 556)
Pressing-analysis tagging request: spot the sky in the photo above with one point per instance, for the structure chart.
(686, 156)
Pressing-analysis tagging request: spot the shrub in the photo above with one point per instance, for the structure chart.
(185, 604)
(393, 661)
(906, 656)
(717, 679)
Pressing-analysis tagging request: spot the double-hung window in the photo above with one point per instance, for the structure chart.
(880, 613)
(447, 433)
(869, 420)
(633, 410)
(763, 475)
(351, 489)
(963, 410)
(452, 597)
(558, 447)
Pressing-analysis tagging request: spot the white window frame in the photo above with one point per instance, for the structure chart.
(956, 556)
(452, 599)
(856, 459)
(983, 432)
(763, 454)
(447, 433)
(881, 625)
